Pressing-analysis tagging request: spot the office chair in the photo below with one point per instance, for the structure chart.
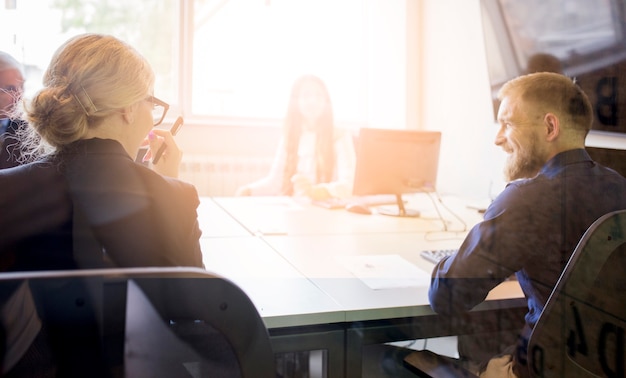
(582, 329)
(135, 322)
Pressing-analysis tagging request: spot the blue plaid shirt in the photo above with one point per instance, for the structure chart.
(530, 230)
(4, 123)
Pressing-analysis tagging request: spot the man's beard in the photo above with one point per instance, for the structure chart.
(524, 163)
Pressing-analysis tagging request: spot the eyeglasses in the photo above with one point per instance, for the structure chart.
(159, 109)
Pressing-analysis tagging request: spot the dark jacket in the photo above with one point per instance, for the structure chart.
(119, 213)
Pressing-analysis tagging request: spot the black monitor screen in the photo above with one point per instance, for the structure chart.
(392, 161)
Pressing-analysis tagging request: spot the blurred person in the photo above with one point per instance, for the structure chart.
(11, 91)
(314, 158)
(544, 62)
(23, 211)
(555, 192)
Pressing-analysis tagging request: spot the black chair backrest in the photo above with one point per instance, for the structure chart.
(166, 322)
(581, 331)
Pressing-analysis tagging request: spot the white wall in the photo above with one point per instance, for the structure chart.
(456, 97)
(387, 37)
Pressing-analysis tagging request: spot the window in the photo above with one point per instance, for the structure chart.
(33, 30)
(247, 53)
(235, 60)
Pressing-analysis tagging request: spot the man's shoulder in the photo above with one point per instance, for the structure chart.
(15, 124)
(520, 192)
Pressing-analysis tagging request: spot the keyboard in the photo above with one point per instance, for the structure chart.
(435, 255)
(370, 200)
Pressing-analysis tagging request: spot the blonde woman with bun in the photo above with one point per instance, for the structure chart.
(86, 124)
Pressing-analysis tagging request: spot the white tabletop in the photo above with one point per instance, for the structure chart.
(216, 222)
(302, 264)
(372, 276)
(296, 216)
(282, 295)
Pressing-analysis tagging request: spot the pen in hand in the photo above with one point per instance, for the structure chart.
(177, 125)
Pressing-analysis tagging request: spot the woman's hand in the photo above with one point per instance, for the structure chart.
(243, 191)
(302, 186)
(169, 162)
(319, 193)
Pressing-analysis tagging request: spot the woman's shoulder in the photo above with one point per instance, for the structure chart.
(174, 188)
(172, 182)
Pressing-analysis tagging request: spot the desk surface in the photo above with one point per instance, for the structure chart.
(281, 294)
(216, 222)
(289, 216)
(300, 263)
(372, 276)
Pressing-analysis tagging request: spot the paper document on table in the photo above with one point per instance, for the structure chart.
(385, 271)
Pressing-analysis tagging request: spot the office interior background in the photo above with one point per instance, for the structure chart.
(227, 67)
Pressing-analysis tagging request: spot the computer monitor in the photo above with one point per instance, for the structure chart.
(394, 161)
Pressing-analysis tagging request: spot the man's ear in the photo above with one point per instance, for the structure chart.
(552, 125)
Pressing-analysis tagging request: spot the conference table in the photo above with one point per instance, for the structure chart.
(337, 281)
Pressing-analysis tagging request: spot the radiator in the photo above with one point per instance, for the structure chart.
(222, 175)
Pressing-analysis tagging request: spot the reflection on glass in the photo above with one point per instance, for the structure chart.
(562, 28)
(583, 39)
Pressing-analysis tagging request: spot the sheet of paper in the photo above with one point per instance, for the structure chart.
(385, 271)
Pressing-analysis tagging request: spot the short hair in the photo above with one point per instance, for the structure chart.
(89, 77)
(8, 62)
(552, 92)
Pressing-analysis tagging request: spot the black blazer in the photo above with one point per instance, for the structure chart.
(116, 213)
(9, 149)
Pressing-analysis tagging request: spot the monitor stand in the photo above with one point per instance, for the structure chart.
(399, 210)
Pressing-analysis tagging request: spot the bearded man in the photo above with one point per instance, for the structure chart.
(555, 192)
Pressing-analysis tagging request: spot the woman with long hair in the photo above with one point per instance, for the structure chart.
(314, 157)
